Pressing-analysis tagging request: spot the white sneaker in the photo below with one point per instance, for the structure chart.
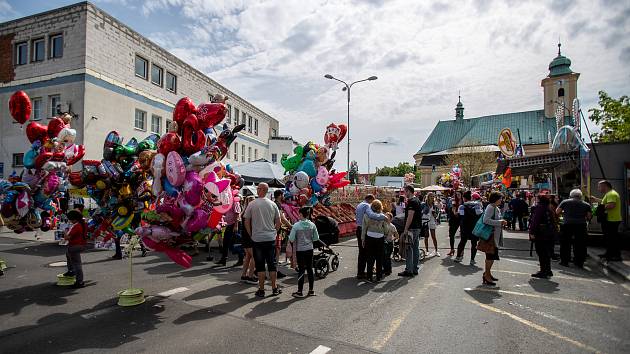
(430, 254)
(437, 254)
(472, 262)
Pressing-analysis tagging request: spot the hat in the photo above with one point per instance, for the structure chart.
(476, 196)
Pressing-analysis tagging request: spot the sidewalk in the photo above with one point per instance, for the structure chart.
(621, 268)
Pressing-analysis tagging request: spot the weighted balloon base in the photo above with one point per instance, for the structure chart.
(131, 297)
(63, 280)
(3, 265)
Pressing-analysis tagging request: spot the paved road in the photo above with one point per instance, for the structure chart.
(206, 309)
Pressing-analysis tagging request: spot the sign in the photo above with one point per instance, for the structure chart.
(507, 143)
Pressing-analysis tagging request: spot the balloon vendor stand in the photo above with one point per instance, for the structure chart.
(131, 296)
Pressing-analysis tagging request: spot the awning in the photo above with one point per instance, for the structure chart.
(533, 165)
(261, 171)
(434, 188)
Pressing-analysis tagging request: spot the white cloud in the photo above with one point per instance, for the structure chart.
(275, 54)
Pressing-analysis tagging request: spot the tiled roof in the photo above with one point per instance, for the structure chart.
(533, 126)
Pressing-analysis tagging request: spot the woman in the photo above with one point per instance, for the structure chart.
(373, 238)
(390, 238)
(492, 217)
(542, 230)
(304, 233)
(247, 243)
(399, 207)
(429, 215)
(577, 214)
(76, 238)
(453, 220)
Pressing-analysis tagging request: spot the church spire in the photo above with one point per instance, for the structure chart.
(459, 109)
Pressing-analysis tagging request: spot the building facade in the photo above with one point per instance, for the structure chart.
(81, 60)
(535, 127)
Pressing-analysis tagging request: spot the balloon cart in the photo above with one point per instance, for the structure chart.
(131, 296)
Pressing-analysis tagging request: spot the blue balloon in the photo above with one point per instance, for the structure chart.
(29, 158)
(169, 188)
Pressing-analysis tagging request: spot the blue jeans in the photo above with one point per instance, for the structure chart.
(413, 252)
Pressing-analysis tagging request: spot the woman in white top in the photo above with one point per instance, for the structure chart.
(399, 207)
(429, 214)
(492, 217)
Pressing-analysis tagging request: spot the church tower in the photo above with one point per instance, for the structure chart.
(560, 86)
(459, 110)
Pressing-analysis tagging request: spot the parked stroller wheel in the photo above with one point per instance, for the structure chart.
(334, 263)
(422, 254)
(321, 268)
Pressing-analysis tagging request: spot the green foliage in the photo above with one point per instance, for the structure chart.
(613, 117)
(397, 171)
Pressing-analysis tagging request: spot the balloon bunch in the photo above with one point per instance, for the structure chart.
(30, 200)
(311, 177)
(452, 179)
(191, 186)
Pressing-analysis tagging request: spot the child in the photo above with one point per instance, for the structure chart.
(390, 238)
(304, 233)
(76, 238)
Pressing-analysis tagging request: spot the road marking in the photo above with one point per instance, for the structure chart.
(520, 262)
(168, 293)
(535, 326)
(560, 277)
(93, 314)
(320, 350)
(591, 303)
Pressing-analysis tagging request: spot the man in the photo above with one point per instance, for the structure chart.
(611, 205)
(519, 209)
(285, 224)
(411, 232)
(231, 218)
(262, 222)
(469, 213)
(574, 229)
(362, 209)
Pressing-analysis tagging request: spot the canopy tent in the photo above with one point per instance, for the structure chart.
(434, 188)
(261, 171)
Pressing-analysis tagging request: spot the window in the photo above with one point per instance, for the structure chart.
(228, 115)
(236, 113)
(256, 126)
(249, 124)
(169, 123)
(244, 120)
(249, 154)
(141, 67)
(21, 53)
(156, 124)
(561, 92)
(18, 160)
(56, 46)
(274, 158)
(255, 154)
(242, 153)
(38, 49)
(171, 82)
(55, 105)
(274, 132)
(157, 75)
(235, 151)
(37, 108)
(141, 120)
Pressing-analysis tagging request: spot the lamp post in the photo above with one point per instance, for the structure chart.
(370, 144)
(347, 88)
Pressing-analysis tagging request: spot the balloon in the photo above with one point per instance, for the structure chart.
(149, 143)
(225, 199)
(308, 165)
(157, 168)
(175, 169)
(67, 136)
(292, 163)
(300, 179)
(168, 187)
(20, 107)
(176, 255)
(112, 139)
(168, 142)
(322, 155)
(334, 134)
(210, 114)
(225, 139)
(55, 126)
(145, 158)
(322, 176)
(193, 139)
(74, 153)
(193, 188)
(215, 218)
(156, 233)
(31, 157)
(23, 203)
(183, 109)
(36, 131)
(197, 221)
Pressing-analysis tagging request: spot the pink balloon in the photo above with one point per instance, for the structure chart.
(175, 169)
(197, 221)
(193, 188)
(156, 233)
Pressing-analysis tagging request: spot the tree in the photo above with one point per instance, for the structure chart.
(613, 116)
(473, 160)
(398, 171)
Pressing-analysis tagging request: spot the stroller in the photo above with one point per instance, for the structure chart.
(399, 223)
(326, 260)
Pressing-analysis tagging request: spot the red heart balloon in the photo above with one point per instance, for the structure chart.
(193, 139)
(183, 109)
(36, 131)
(54, 127)
(210, 114)
(20, 107)
(168, 142)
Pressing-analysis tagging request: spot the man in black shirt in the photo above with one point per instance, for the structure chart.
(411, 232)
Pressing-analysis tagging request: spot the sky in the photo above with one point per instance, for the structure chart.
(275, 54)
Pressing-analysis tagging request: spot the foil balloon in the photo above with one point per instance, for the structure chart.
(175, 169)
(23, 203)
(156, 233)
(300, 179)
(210, 114)
(308, 164)
(36, 131)
(193, 188)
(193, 139)
(292, 163)
(334, 134)
(55, 126)
(20, 107)
(183, 109)
(169, 142)
(197, 221)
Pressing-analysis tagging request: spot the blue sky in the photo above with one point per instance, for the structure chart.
(275, 53)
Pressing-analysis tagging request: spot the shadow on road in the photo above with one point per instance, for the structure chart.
(459, 269)
(44, 294)
(543, 285)
(485, 297)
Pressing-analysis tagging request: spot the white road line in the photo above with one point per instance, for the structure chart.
(320, 350)
(93, 314)
(520, 262)
(168, 293)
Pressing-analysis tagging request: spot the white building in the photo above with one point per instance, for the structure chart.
(82, 60)
(280, 145)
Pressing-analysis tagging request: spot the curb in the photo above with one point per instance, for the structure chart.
(611, 266)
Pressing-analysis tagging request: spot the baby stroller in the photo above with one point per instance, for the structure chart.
(399, 223)
(326, 260)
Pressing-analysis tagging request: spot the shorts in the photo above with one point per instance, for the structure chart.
(246, 240)
(265, 253)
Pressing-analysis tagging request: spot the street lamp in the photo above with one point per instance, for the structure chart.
(347, 88)
(370, 144)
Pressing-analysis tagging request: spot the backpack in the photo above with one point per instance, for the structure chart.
(469, 219)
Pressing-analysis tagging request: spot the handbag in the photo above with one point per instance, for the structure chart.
(483, 230)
